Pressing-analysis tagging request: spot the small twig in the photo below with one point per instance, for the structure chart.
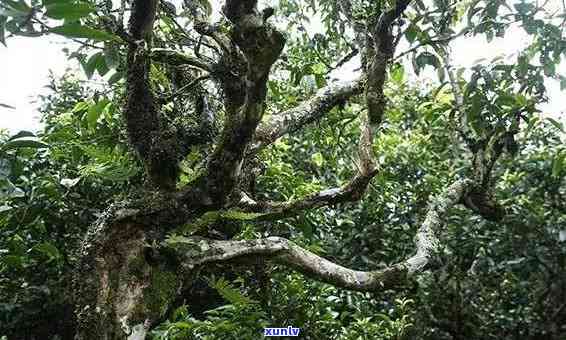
(344, 60)
(430, 42)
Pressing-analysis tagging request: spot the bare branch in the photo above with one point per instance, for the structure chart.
(307, 112)
(352, 191)
(176, 58)
(198, 251)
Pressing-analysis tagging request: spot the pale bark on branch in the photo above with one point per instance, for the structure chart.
(291, 120)
(198, 251)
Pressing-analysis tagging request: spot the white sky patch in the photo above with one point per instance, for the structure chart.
(24, 70)
(26, 63)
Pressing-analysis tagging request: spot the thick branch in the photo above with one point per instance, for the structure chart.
(197, 251)
(256, 46)
(307, 112)
(157, 147)
(379, 52)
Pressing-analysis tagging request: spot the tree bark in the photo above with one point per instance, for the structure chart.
(121, 289)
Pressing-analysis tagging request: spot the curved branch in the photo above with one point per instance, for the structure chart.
(351, 192)
(198, 251)
(486, 152)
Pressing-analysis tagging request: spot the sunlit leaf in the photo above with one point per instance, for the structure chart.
(95, 111)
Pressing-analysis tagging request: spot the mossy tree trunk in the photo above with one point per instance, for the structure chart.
(130, 275)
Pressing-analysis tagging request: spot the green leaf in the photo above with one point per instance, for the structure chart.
(319, 68)
(13, 261)
(230, 293)
(6, 105)
(14, 8)
(426, 58)
(319, 80)
(398, 73)
(558, 164)
(95, 111)
(111, 55)
(3, 20)
(96, 62)
(49, 250)
(556, 123)
(75, 30)
(549, 68)
(411, 33)
(80, 106)
(23, 143)
(52, 2)
(307, 228)
(317, 159)
(69, 11)
(115, 77)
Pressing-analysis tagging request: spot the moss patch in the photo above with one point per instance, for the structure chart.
(161, 291)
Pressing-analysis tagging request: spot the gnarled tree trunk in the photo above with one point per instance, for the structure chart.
(130, 273)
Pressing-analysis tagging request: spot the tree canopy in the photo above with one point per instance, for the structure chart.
(231, 176)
